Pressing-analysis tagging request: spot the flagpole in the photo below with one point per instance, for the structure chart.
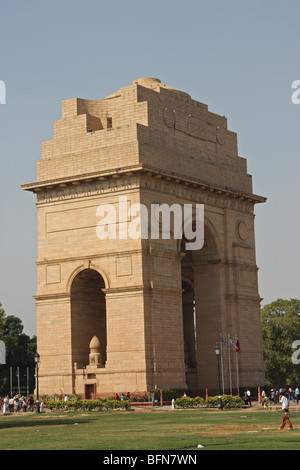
(222, 368)
(229, 365)
(237, 371)
(18, 375)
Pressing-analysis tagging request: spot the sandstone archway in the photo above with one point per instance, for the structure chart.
(88, 315)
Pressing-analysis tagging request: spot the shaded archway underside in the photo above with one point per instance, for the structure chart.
(88, 315)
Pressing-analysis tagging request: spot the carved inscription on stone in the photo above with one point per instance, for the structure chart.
(194, 127)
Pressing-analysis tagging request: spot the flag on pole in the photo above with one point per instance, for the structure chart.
(223, 341)
(229, 365)
(236, 345)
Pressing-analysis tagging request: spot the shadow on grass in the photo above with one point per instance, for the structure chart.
(31, 420)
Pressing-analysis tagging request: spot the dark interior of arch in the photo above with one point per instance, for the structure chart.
(200, 300)
(88, 315)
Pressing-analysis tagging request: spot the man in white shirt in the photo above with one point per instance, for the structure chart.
(249, 397)
(285, 410)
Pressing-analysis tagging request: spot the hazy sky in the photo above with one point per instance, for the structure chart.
(239, 57)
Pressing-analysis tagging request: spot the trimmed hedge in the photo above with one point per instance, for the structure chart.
(75, 404)
(228, 401)
(87, 405)
(188, 402)
(116, 405)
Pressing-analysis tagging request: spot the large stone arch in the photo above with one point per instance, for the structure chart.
(201, 306)
(88, 314)
(164, 146)
(82, 267)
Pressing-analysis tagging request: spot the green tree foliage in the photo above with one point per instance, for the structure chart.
(20, 350)
(2, 316)
(280, 328)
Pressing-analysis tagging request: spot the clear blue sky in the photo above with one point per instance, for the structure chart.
(239, 57)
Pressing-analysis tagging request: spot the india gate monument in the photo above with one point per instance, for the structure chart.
(119, 313)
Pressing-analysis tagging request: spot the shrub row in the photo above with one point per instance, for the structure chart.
(188, 402)
(87, 405)
(228, 401)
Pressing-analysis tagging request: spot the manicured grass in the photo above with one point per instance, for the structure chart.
(149, 430)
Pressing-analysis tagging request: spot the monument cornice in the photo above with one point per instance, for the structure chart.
(155, 173)
(59, 296)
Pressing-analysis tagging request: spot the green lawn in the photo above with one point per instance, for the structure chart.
(151, 430)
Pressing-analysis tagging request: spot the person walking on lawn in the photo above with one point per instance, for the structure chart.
(285, 410)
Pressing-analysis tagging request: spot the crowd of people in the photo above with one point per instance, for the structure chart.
(247, 397)
(290, 393)
(16, 404)
(117, 397)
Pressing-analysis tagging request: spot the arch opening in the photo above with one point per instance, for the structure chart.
(88, 315)
(189, 333)
(200, 278)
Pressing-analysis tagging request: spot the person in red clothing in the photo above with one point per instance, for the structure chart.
(285, 410)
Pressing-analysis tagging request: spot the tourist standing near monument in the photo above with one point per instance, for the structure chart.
(285, 410)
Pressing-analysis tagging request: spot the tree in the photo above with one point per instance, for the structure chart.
(20, 350)
(2, 316)
(280, 328)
